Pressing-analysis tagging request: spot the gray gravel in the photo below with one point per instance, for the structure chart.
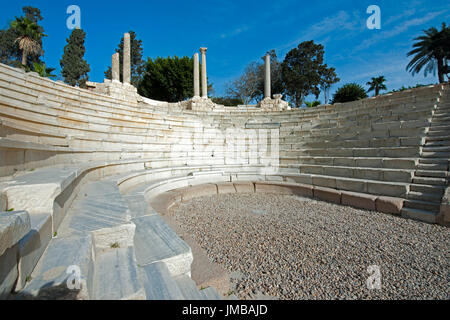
(288, 247)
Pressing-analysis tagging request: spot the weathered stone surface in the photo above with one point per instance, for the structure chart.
(166, 246)
(244, 187)
(115, 67)
(13, 227)
(8, 271)
(445, 208)
(389, 205)
(198, 191)
(204, 74)
(3, 202)
(224, 188)
(359, 200)
(33, 245)
(327, 194)
(126, 59)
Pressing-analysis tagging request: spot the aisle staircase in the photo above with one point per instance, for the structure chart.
(432, 174)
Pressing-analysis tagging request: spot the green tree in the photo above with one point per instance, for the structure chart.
(302, 71)
(168, 79)
(43, 71)
(349, 92)
(227, 101)
(246, 87)
(312, 104)
(10, 52)
(137, 62)
(377, 84)
(28, 38)
(431, 51)
(329, 78)
(74, 68)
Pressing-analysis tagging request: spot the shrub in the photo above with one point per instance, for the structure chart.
(312, 104)
(349, 92)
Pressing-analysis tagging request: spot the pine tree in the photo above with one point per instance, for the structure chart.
(74, 68)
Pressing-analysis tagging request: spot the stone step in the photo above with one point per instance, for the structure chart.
(427, 188)
(166, 245)
(437, 143)
(443, 161)
(434, 133)
(438, 138)
(116, 276)
(429, 197)
(60, 260)
(423, 205)
(159, 284)
(431, 173)
(436, 154)
(429, 167)
(439, 118)
(430, 181)
(210, 294)
(440, 126)
(188, 288)
(421, 215)
(436, 149)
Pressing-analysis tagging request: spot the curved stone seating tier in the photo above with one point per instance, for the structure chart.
(96, 172)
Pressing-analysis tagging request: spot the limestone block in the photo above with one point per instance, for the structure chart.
(33, 245)
(389, 205)
(327, 194)
(3, 202)
(359, 200)
(8, 271)
(121, 234)
(198, 191)
(244, 187)
(13, 227)
(32, 198)
(387, 189)
(226, 188)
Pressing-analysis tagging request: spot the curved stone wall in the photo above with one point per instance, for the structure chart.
(388, 154)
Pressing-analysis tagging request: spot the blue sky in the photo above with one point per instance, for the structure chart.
(239, 32)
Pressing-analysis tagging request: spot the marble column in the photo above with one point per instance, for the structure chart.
(115, 67)
(204, 77)
(196, 77)
(126, 58)
(267, 80)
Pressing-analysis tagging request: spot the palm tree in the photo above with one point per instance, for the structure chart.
(377, 84)
(431, 50)
(29, 36)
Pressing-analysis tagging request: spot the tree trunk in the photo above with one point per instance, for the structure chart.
(377, 92)
(24, 58)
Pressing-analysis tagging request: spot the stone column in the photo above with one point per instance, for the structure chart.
(196, 77)
(115, 67)
(267, 80)
(126, 58)
(204, 77)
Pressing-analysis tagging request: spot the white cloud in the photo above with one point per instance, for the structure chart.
(341, 21)
(399, 29)
(235, 32)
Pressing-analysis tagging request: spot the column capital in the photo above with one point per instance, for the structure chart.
(203, 50)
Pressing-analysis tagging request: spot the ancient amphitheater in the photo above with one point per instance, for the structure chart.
(88, 177)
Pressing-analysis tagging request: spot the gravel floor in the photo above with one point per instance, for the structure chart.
(293, 248)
